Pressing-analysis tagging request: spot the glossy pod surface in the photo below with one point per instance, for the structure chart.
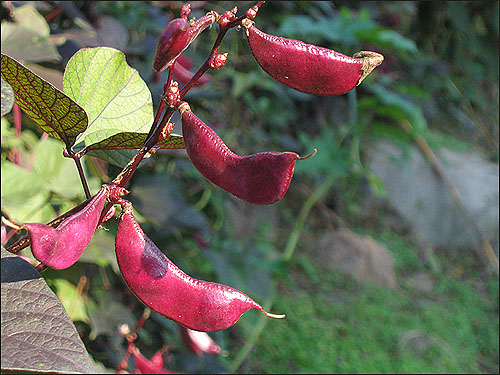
(309, 68)
(261, 178)
(198, 342)
(61, 247)
(162, 286)
(176, 37)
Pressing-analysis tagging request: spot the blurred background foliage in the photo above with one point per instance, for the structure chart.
(440, 75)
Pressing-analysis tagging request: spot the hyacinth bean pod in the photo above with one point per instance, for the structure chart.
(183, 75)
(163, 287)
(261, 178)
(146, 366)
(306, 67)
(199, 342)
(176, 37)
(61, 247)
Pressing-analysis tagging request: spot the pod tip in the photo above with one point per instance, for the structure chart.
(370, 61)
(271, 315)
(314, 152)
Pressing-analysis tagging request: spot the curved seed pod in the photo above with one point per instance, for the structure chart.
(261, 178)
(309, 68)
(183, 75)
(61, 247)
(199, 342)
(163, 287)
(146, 366)
(176, 37)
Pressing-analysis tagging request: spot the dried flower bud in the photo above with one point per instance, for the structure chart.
(173, 97)
(218, 61)
(227, 17)
(185, 10)
(252, 12)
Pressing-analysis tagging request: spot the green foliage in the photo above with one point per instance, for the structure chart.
(446, 88)
(339, 326)
(52, 110)
(112, 93)
(7, 97)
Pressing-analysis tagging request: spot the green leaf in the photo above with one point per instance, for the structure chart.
(26, 44)
(107, 315)
(395, 101)
(72, 301)
(20, 200)
(391, 38)
(7, 97)
(101, 250)
(115, 97)
(131, 140)
(57, 174)
(28, 16)
(55, 113)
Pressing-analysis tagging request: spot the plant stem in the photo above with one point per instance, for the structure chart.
(304, 212)
(250, 343)
(78, 163)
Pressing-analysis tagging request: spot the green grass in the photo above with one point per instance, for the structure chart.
(335, 324)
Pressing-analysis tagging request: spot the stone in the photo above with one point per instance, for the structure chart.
(359, 256)
(423, 200)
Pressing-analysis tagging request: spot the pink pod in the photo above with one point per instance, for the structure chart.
(199, 342)
(163, 287)
(309, 68)
(61, 247)
(176, 37)
(261, 178)
(146, 366)
(185, 61)
(183, 75)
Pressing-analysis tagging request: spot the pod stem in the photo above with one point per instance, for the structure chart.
(10, 224)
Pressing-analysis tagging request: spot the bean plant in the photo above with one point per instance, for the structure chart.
(81, 118)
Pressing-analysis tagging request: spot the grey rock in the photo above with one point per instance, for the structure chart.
(422, 199)
(359, 256)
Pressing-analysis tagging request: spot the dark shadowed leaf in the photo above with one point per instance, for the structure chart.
(107, 315)
(120, 148)
(113, 94)
(112, 32)
(131, 140)
(119, 158)
(51, 109)
(37, 334)
(160, 199)
(7, 97)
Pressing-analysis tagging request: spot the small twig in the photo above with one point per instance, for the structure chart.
(81, 173)
(488, 252)
(69, 153)
(304, 212)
